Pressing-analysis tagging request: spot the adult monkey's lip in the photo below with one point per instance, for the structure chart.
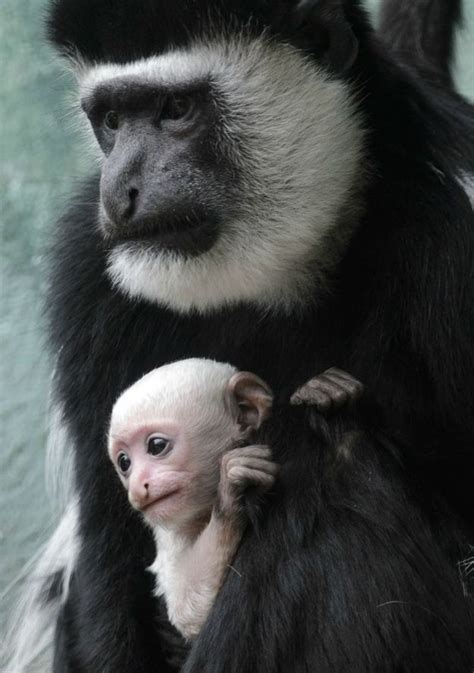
(190, 234)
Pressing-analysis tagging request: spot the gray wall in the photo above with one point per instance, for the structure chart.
(41, 162)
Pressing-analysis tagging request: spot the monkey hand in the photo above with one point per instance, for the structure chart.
(329, 391)
(243, 468)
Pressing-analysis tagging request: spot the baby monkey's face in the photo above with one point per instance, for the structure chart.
(147, 461)
(169, 474)
(169, 430)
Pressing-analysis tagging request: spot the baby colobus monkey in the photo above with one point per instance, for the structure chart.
(177, 439)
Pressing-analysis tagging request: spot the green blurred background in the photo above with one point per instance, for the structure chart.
(42, 159)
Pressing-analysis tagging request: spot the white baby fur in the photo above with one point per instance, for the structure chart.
(186, 610)
(192, 387)
(192, 390)
(296, 137)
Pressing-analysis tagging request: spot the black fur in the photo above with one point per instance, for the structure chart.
(342, 540)
(422, 35)
(323, 582)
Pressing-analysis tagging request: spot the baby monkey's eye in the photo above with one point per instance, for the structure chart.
(157, 445)
(123, 462)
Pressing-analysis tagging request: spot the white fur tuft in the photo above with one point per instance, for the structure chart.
(27, 647)
(467, 183)
(59, 460)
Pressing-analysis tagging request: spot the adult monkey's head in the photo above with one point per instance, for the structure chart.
(231, 149)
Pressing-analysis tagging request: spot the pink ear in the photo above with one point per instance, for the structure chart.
(251, 398)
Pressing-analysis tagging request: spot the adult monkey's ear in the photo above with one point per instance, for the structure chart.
(250, 399)
(322, 27)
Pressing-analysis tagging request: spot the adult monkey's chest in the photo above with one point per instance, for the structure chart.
(285, 350)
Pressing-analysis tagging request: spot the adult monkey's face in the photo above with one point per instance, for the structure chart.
(227, 168)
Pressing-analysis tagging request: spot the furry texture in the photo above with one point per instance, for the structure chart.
(421, 34)
(194, 545)
(271, 100)
(31, 628)
(182, 385)
(467, 183)
(353, 568)
(340, 565)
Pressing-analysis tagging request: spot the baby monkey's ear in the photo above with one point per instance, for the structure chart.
(249, 399)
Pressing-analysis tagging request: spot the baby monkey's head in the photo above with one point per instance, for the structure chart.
(169, 429)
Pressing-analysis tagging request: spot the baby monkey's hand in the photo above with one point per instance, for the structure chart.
(249, 466)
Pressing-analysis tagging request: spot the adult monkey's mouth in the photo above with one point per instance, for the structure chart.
(190, 233)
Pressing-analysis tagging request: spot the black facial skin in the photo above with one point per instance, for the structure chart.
(162, 181)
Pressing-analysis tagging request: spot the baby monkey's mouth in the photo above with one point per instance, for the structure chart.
(151, 509)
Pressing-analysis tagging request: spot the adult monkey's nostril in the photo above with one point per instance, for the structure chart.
(132, 200)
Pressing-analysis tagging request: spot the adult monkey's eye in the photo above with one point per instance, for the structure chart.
(123, 462)
(111, 120)
(177, 107)
(157, 445)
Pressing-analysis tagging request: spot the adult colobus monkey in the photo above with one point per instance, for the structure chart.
(276, 192)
